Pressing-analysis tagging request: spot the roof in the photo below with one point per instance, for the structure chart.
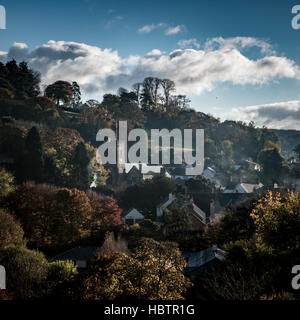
(199, 213)
(146, 169)
(165, 200)
(200, 258)
(133, 212)
(78, 253)
(226, 199)
(248, 187)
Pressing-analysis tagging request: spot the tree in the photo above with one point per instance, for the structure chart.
(297, 151)
(11, 232)
(6, 183)
(236, 224)
(26, 270)
(81, 177)
(272, 164)
(147, 93)
(34, 156)
(152, 272)
(60, 146)
(106, 214)
(60, 91)
(277, 220)
(233, 283)
(60, 271)
(51, 217)
(157, 83)
(72, 216)
(136, 88)
(22, 81)
(147, 195)
(33, 206)
(76, 94)
(6, 94)
(168, 86)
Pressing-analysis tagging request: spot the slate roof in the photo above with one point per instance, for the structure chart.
(248, 187)
(199, 213)
(78, 253)
(201, 258)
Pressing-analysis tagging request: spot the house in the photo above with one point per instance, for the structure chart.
(245, 188)
(164, 205)
(251, 165)
(81, 256)
(248, 187)
(209, 173)
(178, 173)
(198, 217)
(133, 216)
(197, 262)
(224, 200)
(135, 173)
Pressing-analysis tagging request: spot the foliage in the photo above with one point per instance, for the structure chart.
(297, 151)
(60, 271)
(277, 220)
(6, 183)
(233, 283)
(235, 224)
(11, 232)
(272, 164)
(6, 94)
(33, 165)
(22, 81)
(153, 271)
(106, 214)
(147, 195)
(25, 270)
(60, 91)
(57, 217)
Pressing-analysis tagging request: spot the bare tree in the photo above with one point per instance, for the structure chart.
(136, 88)
(168, 86)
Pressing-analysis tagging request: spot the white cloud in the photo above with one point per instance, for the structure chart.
(279, 115)
(150, 27)
(239, 43)
(173, 30)
(194, 71)
(186, 43)
(197, 71)
(90, 66)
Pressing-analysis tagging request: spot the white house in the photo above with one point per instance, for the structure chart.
(248, 187)
(244, 188)
(133, 216)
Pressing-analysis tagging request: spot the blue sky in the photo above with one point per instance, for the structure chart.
(115, 25)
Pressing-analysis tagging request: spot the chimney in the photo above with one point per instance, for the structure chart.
(214, 247)
(140, 167)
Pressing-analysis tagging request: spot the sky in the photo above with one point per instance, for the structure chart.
(234, 59)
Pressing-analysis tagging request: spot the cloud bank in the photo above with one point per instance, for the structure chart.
(279, 115)
(195, 71)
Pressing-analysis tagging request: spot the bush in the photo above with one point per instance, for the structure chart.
(26, 271)
(11, 232)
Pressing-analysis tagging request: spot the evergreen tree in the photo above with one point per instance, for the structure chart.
(34, 157)
(81, 177)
